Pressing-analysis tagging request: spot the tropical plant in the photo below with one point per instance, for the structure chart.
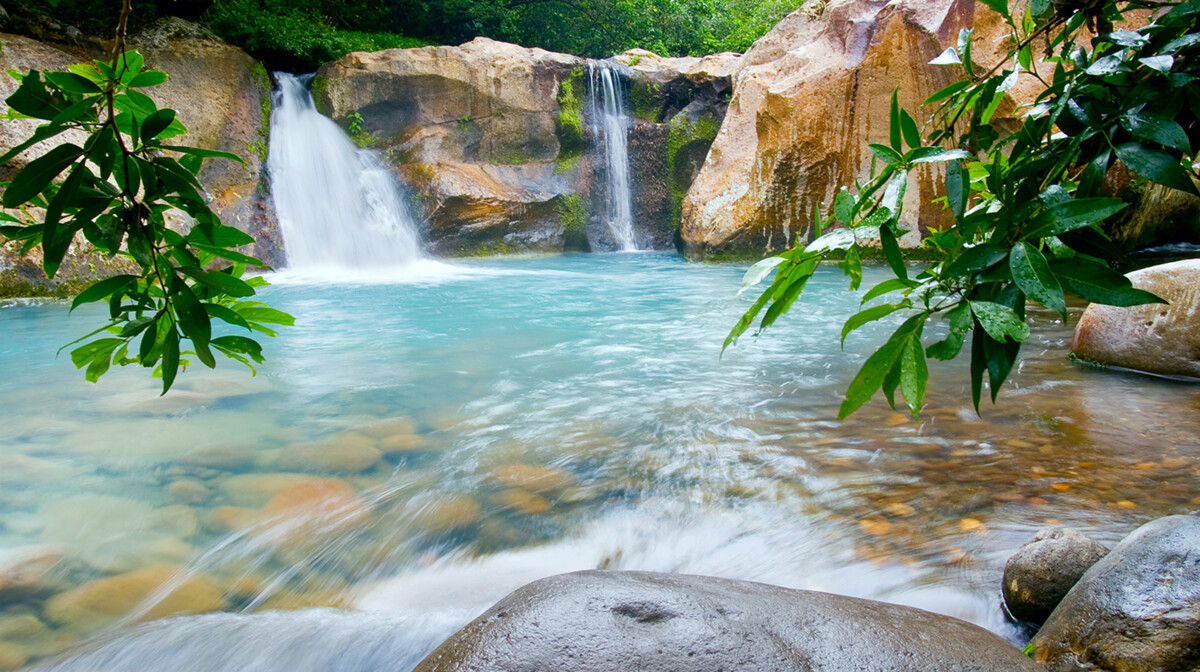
(118, 188)
(1026, 204)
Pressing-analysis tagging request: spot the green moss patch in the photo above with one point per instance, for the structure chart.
(570, 129)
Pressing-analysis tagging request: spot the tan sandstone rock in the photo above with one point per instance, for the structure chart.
(808, 99)
(96, 604)
(1155, 338)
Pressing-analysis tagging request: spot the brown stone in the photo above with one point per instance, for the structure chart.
(449, 513)
(1154, 338)
(256, 489)
(339, 455)
(327, 506)
(99, 603)
(524, 501)
(24, 570)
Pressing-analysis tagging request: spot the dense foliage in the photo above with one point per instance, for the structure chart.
(301, 34)
(118, 187)
(1026, 204)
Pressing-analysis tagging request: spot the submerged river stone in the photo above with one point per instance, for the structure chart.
(1137, 609)
(1155, 338)
(1038, 576)
(599, 621)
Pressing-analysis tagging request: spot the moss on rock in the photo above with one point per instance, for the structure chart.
(570, 127)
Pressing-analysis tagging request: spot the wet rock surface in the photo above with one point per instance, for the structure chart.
(1154, 338)
(595, 620)
(1137, 609)
(1039, 575)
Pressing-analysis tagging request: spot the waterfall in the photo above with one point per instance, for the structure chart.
(339, 207)
(610, 120)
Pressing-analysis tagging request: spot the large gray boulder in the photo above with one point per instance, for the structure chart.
(599, 621)
(1138, 609)
(1039, 575)
(1155, 338)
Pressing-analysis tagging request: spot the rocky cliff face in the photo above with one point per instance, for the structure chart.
(808, 98)
(495, 140)
(222, 96)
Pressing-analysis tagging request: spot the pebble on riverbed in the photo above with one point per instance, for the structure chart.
(1038, 576)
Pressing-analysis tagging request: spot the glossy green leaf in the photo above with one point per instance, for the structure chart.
(156, 123)
(1073, 214)
(39, 173)
(1156, 166)
(894, 127)
(149, 78)
(914, 374)
(102, 289)
(888, 286)
(72, 83)
(999, 321)
(170, 358)
(871, 315)
(1097, 283)
(843, 207)
(891, 252)
(759, 271)
(1032, 274)
(871, 376)
(885, 153)
(908, 126)
(1158, 129)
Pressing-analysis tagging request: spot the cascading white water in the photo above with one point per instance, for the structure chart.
(610, 120)
(339, 207)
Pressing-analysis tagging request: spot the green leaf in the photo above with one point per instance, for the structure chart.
(979, 338)
(946, 92)
(796, 281)
(101, 347)
(102, 289)
(267, 315)
(1157, 129)
(843, 207)
(885, 153)
(1032, 274)
(156, 123)
(888, 286)
(999, 321)
(851, 266)
(1162, 63)
(940, 155)
(914, 373)
(908, 126)
(1073, 214)
(237, 257)
(871, 376)
(193, 319)
(39, 173)
(221, 236)
(1108, 65)
(1155, 165)
(958, 188)
(240, 344)
(170, 358)
(891, 252)
(33, 99)
(1098, 283)
(72, 83)
(870, 315)
(759, 271)
(222, 282)
(129, 64)
(225, 314)
(959, 318)
(895, 120)
(148, 78)
(204, 153)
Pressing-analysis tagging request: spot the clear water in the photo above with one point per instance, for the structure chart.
(339, 206)
(610, 121)
(545, 415)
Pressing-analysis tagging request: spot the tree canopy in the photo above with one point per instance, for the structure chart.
(301, 34)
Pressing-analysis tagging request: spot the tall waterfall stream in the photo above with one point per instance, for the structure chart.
(610, 121)
(339, 206)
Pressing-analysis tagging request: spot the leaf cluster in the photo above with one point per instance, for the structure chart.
(1026, 201)
(115, 190)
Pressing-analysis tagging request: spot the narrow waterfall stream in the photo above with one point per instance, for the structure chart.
(610, 120)
(339, 206)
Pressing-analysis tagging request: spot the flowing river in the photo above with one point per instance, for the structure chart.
(413, 450)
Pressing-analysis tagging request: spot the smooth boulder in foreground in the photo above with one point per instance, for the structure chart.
(1137, 609)
(1157, 338)
(601, 621)
(1041, 573)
